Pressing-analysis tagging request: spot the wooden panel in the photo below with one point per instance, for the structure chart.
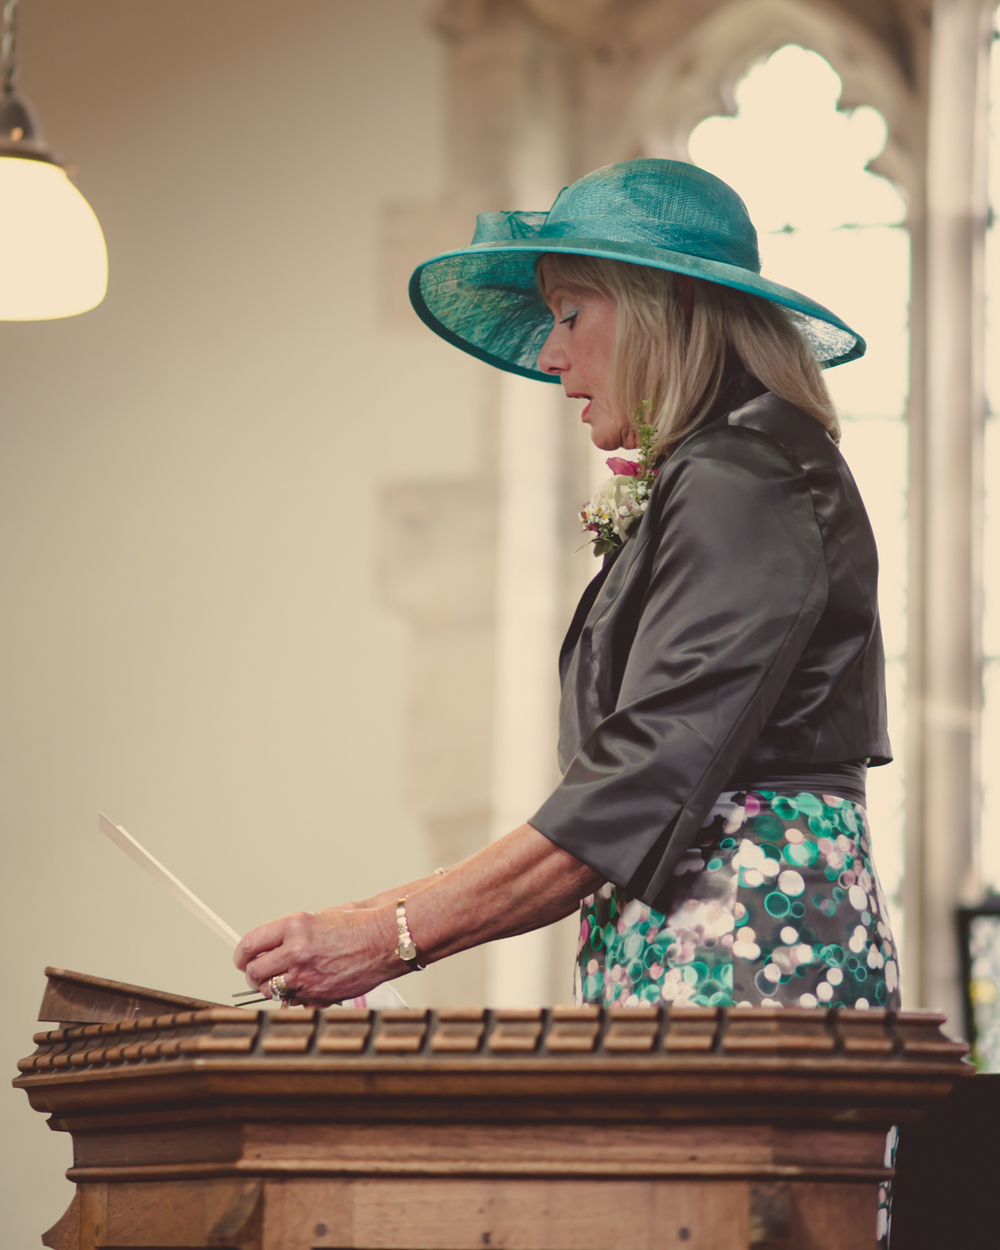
(400, 1214)
(834, 1217)
(182, 1214)
(304, 1214)
(168, 1144)
(515, 1215)
(93, 1216)
(770, 1217)
(554, 1149)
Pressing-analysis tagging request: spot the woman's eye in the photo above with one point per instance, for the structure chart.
(570, 316)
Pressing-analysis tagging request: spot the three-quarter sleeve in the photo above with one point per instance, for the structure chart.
(727, 585)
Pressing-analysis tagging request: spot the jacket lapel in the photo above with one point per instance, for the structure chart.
(587, 601)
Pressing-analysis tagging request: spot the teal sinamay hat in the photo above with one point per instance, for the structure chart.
(665, 214)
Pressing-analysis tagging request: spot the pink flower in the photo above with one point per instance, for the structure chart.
(625, 468)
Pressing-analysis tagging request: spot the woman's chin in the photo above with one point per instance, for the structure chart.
(606, 440)
(610, 435)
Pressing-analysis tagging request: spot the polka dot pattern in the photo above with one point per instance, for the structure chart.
(776, 904)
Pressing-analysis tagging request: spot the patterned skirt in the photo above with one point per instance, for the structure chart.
(776, 904)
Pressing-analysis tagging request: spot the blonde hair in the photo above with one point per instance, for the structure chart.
(674, 336)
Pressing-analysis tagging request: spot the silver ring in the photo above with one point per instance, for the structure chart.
(279, 989)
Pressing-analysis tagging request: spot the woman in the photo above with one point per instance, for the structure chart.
(722, 679)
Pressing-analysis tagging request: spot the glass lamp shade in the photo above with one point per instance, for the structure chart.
(53, 260)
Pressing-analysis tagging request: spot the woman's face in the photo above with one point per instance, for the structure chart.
(579, 350)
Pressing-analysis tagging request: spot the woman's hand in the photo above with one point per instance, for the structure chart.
(324, 956)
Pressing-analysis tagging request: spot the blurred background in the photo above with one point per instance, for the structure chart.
(285, 575)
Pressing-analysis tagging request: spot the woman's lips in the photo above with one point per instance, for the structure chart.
(581, 395)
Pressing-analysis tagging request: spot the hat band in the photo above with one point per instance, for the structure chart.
(508, 227)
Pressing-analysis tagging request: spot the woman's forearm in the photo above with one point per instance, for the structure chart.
(520, 882)
(385, 897)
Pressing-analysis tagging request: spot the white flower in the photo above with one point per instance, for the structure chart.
(615, 504)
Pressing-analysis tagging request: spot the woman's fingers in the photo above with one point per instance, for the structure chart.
(287, 946)
(268, 965)
(267, 937)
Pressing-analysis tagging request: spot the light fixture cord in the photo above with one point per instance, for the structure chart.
(8, 47)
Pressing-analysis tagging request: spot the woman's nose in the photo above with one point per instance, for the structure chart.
(552, 359)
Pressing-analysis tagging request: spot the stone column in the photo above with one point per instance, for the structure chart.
(526, 690)
(942, 867)
(529, 613)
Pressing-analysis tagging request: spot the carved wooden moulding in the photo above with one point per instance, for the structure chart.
(682, 1051)
(660, 1033)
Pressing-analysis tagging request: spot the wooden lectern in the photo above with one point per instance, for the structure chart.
(458, 1129)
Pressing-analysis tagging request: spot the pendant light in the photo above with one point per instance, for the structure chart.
(53, 260)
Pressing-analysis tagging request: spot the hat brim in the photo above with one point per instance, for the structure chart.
(484, 299)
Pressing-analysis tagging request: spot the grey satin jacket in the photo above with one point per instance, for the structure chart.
(735, 633)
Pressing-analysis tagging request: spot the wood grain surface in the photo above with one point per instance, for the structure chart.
(560, 1129)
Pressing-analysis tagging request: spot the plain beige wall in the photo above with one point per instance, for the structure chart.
(192, 634)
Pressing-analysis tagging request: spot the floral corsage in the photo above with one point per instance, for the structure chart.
(621, 501)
